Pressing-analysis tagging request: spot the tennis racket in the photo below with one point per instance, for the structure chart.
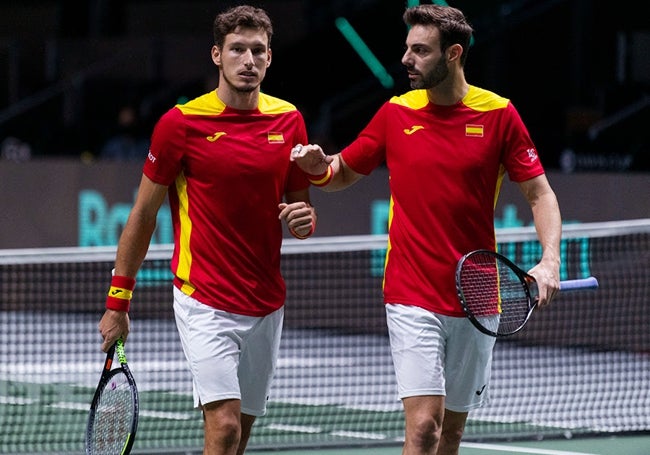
(499, 297)
(113, 418)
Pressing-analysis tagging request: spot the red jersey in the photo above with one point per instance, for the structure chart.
(446, 165)
(227, 171)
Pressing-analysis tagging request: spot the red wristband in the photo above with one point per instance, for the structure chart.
(308, 234)
(120, 292)
(322, 179)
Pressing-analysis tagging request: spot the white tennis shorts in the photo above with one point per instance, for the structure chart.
(229, 355)
(439, 355)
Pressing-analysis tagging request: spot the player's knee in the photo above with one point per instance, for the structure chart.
(225, 436)
(425, 434)
(453, 429)
(222, 428)
(451, 438)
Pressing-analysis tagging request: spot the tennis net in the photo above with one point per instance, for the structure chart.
(581, 366)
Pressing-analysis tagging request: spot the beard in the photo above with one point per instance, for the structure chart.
(246, 88)
(434, 77)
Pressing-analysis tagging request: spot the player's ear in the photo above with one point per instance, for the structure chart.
(268, 58)
(215, 52)
(454, 52)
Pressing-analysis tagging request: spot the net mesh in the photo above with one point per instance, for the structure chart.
(580, 366)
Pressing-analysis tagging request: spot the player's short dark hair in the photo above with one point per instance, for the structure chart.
(241, 16)
(453, 26)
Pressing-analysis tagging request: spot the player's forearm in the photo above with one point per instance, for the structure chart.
(548, 224)
(133, 245)
(326, 172)
(343, 176)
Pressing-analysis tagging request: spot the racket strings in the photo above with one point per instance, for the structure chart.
(494, 294)
(112, 420)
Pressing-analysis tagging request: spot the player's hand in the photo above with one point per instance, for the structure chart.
(300, 218)
(114, 325)
(311, 158)
(546, 275)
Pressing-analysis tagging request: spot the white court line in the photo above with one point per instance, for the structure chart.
(169, 415)
(359, 435)
(73, 406)
(317, 430)
(143, 413)
(16, 400)
(41, 368)
(523, 450)
(295, 428)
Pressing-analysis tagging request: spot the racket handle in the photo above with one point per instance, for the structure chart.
(574, 285)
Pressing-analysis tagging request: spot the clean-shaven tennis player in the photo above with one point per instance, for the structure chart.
(223, 161)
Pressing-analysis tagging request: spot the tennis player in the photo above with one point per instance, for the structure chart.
(223, 161)
(447, 146)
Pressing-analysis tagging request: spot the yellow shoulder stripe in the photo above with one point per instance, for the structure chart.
(477, 98)
(484, 100)
(272, 105)
(415, 99)
(208, 104)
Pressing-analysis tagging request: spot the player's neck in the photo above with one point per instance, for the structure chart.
(449, 92)
(238, 99)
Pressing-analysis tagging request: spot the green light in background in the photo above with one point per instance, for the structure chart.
(364, 52)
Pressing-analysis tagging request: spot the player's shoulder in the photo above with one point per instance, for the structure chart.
(206, 104)
(484, 100)
(476, 98)
(210, 104)
(414, 99)
(272, 105)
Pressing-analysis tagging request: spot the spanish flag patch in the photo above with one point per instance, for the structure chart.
(474, 130)
(275, 137)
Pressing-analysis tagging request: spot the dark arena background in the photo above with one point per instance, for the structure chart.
(577, 70)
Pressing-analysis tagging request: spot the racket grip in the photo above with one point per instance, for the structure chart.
(574, 285)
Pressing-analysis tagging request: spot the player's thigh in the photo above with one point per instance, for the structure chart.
(468, 366)
(225, 411)
(417, 340)
(424, 411)
(260, 349)
(211, 340)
